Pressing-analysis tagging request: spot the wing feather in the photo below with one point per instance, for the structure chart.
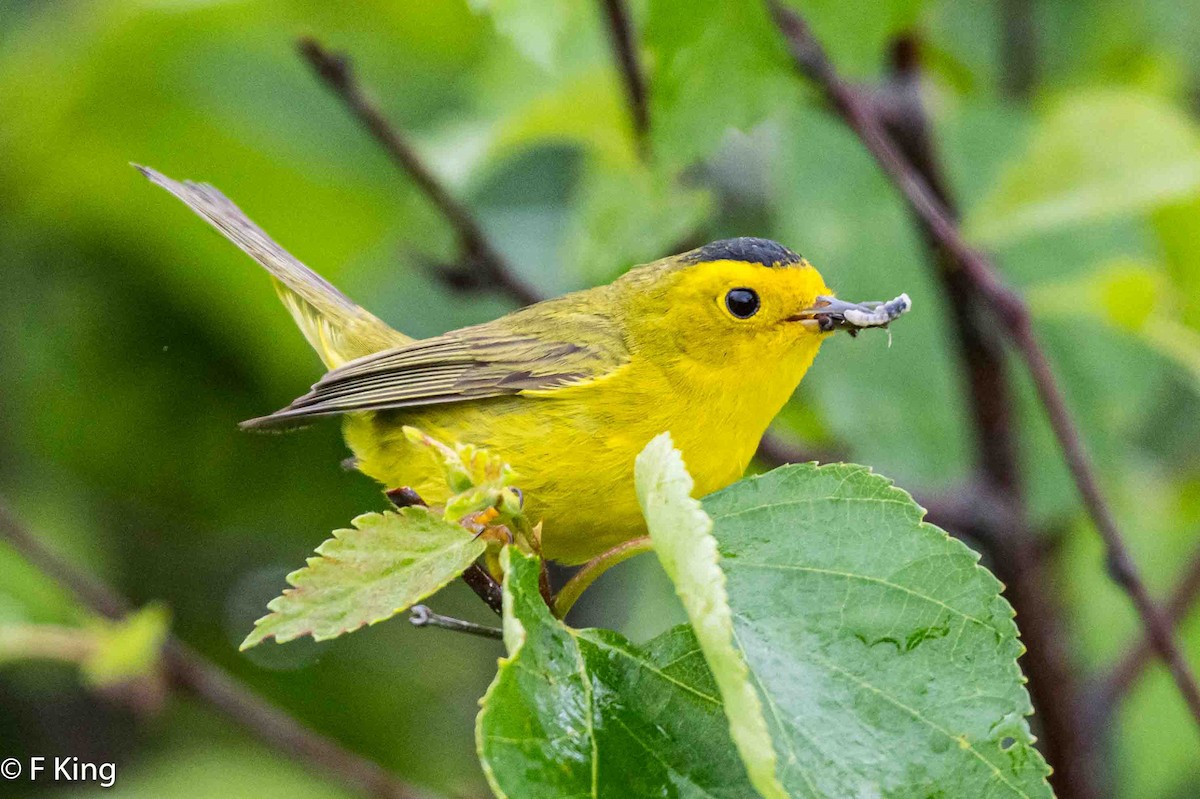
(491, 360)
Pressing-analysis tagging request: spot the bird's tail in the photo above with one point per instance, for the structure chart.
(337, 329)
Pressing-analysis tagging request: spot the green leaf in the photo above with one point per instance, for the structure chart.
(1178, 229)
(716, 65)
(1124, 292)
(588, 109)
(1133, 297)
(681, 532)
(884, 653)
(1095, 156)
(586, 713)
(129, 648)
(369, 573)
(627, 215)
(537, 29)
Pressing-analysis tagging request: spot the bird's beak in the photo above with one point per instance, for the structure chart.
(828, 314)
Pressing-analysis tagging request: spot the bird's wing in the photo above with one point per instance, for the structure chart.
(337, 329)
(491, 360)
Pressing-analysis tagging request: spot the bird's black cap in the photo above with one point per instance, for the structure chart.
(746, 249)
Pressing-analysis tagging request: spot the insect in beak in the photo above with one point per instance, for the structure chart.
(828, 314)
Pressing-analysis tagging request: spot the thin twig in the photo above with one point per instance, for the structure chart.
(422, 616)
(1130, 667)
(1014, 318)
(624, 44)
(47, 642)
(595, 567)
(188, 670)
(335, 71)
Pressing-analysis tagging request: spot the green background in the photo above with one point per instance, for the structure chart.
(134, 339)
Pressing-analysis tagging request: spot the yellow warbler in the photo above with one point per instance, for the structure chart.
(709, 345)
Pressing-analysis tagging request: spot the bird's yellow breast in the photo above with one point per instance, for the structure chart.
(574, 449)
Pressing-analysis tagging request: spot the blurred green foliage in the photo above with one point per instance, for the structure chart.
(134, 339)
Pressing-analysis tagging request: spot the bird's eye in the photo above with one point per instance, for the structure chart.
(742, 303)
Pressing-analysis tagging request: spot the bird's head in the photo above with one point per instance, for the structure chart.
(745, 303)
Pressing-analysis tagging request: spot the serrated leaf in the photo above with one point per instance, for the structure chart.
(368, 573)
(884, 653)
(681, 532)
(586, 713)
(1095, 156)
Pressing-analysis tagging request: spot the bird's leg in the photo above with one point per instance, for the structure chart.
(480, 523)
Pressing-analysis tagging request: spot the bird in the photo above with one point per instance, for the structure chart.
(707, 345)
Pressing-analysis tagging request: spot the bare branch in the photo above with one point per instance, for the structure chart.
(422, 616)
(336, 73)
(624, 44)
(1130, 667)
(188, 670)
(995, 515)
(903, 113)
(1013, 316)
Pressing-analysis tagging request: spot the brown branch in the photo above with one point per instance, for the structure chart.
(1000, 518)
(1130, 667)
(188, 670)
(422, 616)
(624, 44)
(336, 73)
(903, 112)
(1014, 318)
